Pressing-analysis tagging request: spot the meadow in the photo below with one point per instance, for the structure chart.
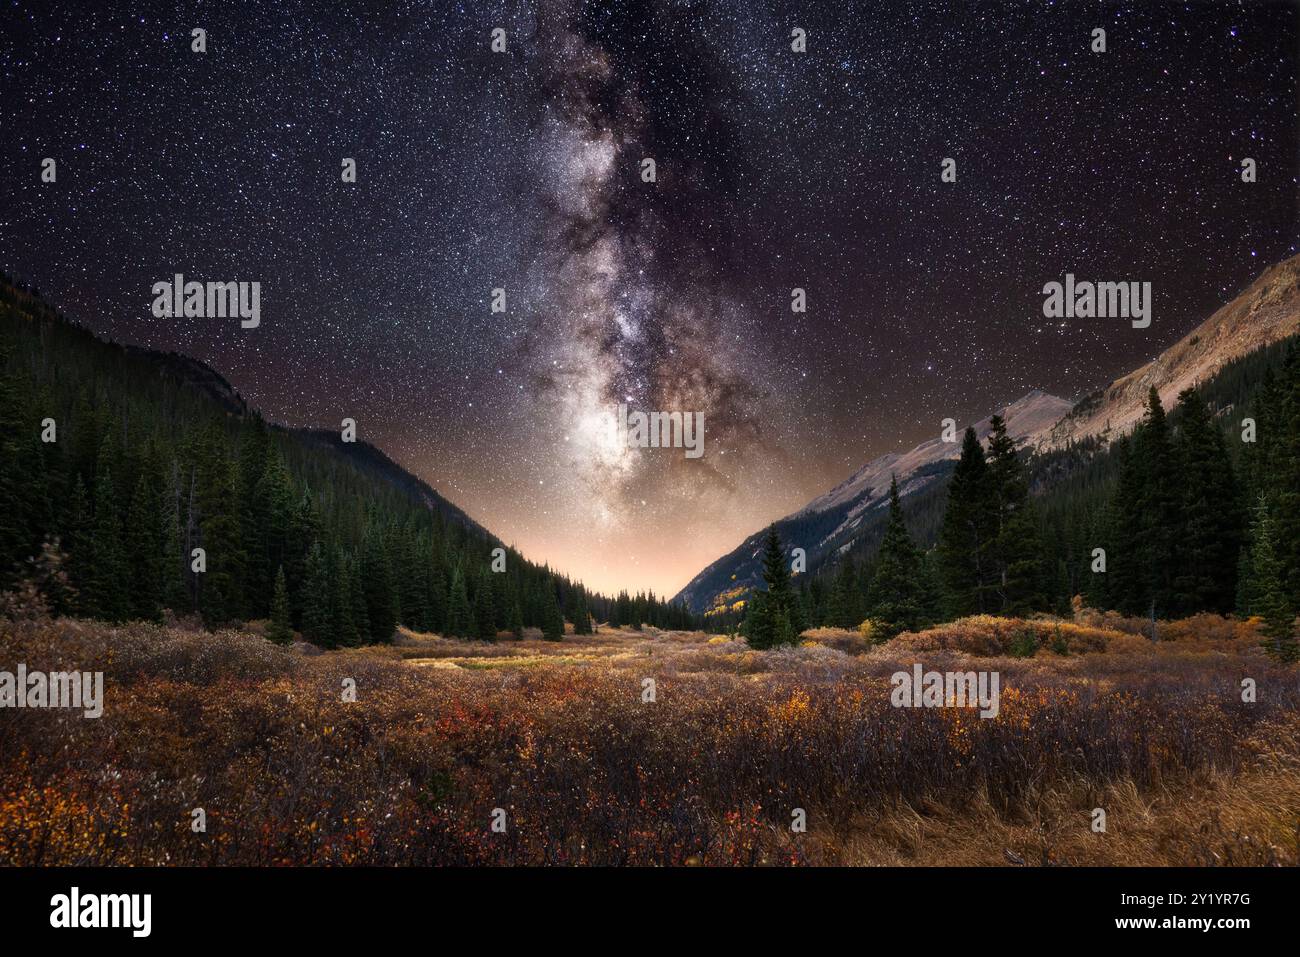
(560, 745)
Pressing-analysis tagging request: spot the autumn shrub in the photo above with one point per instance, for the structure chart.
(586, 770)
(1021, 637)
(853, 642)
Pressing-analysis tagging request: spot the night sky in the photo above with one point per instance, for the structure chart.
(521, 170)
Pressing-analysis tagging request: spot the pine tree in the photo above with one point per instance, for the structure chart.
(15, 537)
(254, 515)
(1125, 579)
(1161, 519)
(105, 591)
(303, 531)
(437, 586)
(176, 595)
(500, 600)
(274, 510)
(967, 536)
(553, 621)
(220, 594)
(360, 612)
(1264, 589)
(317, 626)
(80, 519)
(846, 607)
(773, 616)
(145, 552)
(381, 600)
(279, 629)
(1255, 458)
(459, 615)
(1016, 549)
(485, 628)
(1210, 538)
(344, 602)
(897, 593)
(581, 616)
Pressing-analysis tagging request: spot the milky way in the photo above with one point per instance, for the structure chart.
(521, 170)
(629, 300)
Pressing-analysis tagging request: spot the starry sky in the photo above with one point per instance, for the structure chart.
(521, 170)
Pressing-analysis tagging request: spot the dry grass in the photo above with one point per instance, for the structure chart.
(559, 736)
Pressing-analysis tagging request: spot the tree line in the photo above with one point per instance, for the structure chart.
(125, 491)
(1193, 511)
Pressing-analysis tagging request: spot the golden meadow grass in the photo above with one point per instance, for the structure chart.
(558, 735)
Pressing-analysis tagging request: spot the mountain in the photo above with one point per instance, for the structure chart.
(119, 464)
(1266, 312)
(371, 461)
(51, 332)
(196, 376)
(856, 508)
(850, 517)
(1025, 417)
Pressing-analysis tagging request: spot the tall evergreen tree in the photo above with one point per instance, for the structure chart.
(897, 595)
(219, 587)
(278, 629)
(553, 621)
(145, 552)
(968, 533)
(359, 622)
(381, 599)
(1161, 519)
(438, 593)
(581, 615)
(1209, 541)
(847, 607)
(1264, 590)
(176, 595)
(774, 616)
(516, 620)
(15, 537)
(317, 625)
(343, 602)
(460, 618)
(104, 593)
(1016, 549)
(1125, 578)
(485, 627)
(80, 520)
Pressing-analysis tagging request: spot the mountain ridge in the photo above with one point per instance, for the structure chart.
(1266, 311)
(831, 522)
(197, 376)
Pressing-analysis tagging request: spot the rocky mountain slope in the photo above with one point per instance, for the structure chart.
(1265, 312)
(857, 507)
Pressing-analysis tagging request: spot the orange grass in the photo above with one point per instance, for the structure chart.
(588, 773)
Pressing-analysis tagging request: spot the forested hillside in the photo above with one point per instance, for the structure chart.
(133, 481)
(1197, 510)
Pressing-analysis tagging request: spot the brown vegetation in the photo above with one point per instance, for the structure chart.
(558, 736)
